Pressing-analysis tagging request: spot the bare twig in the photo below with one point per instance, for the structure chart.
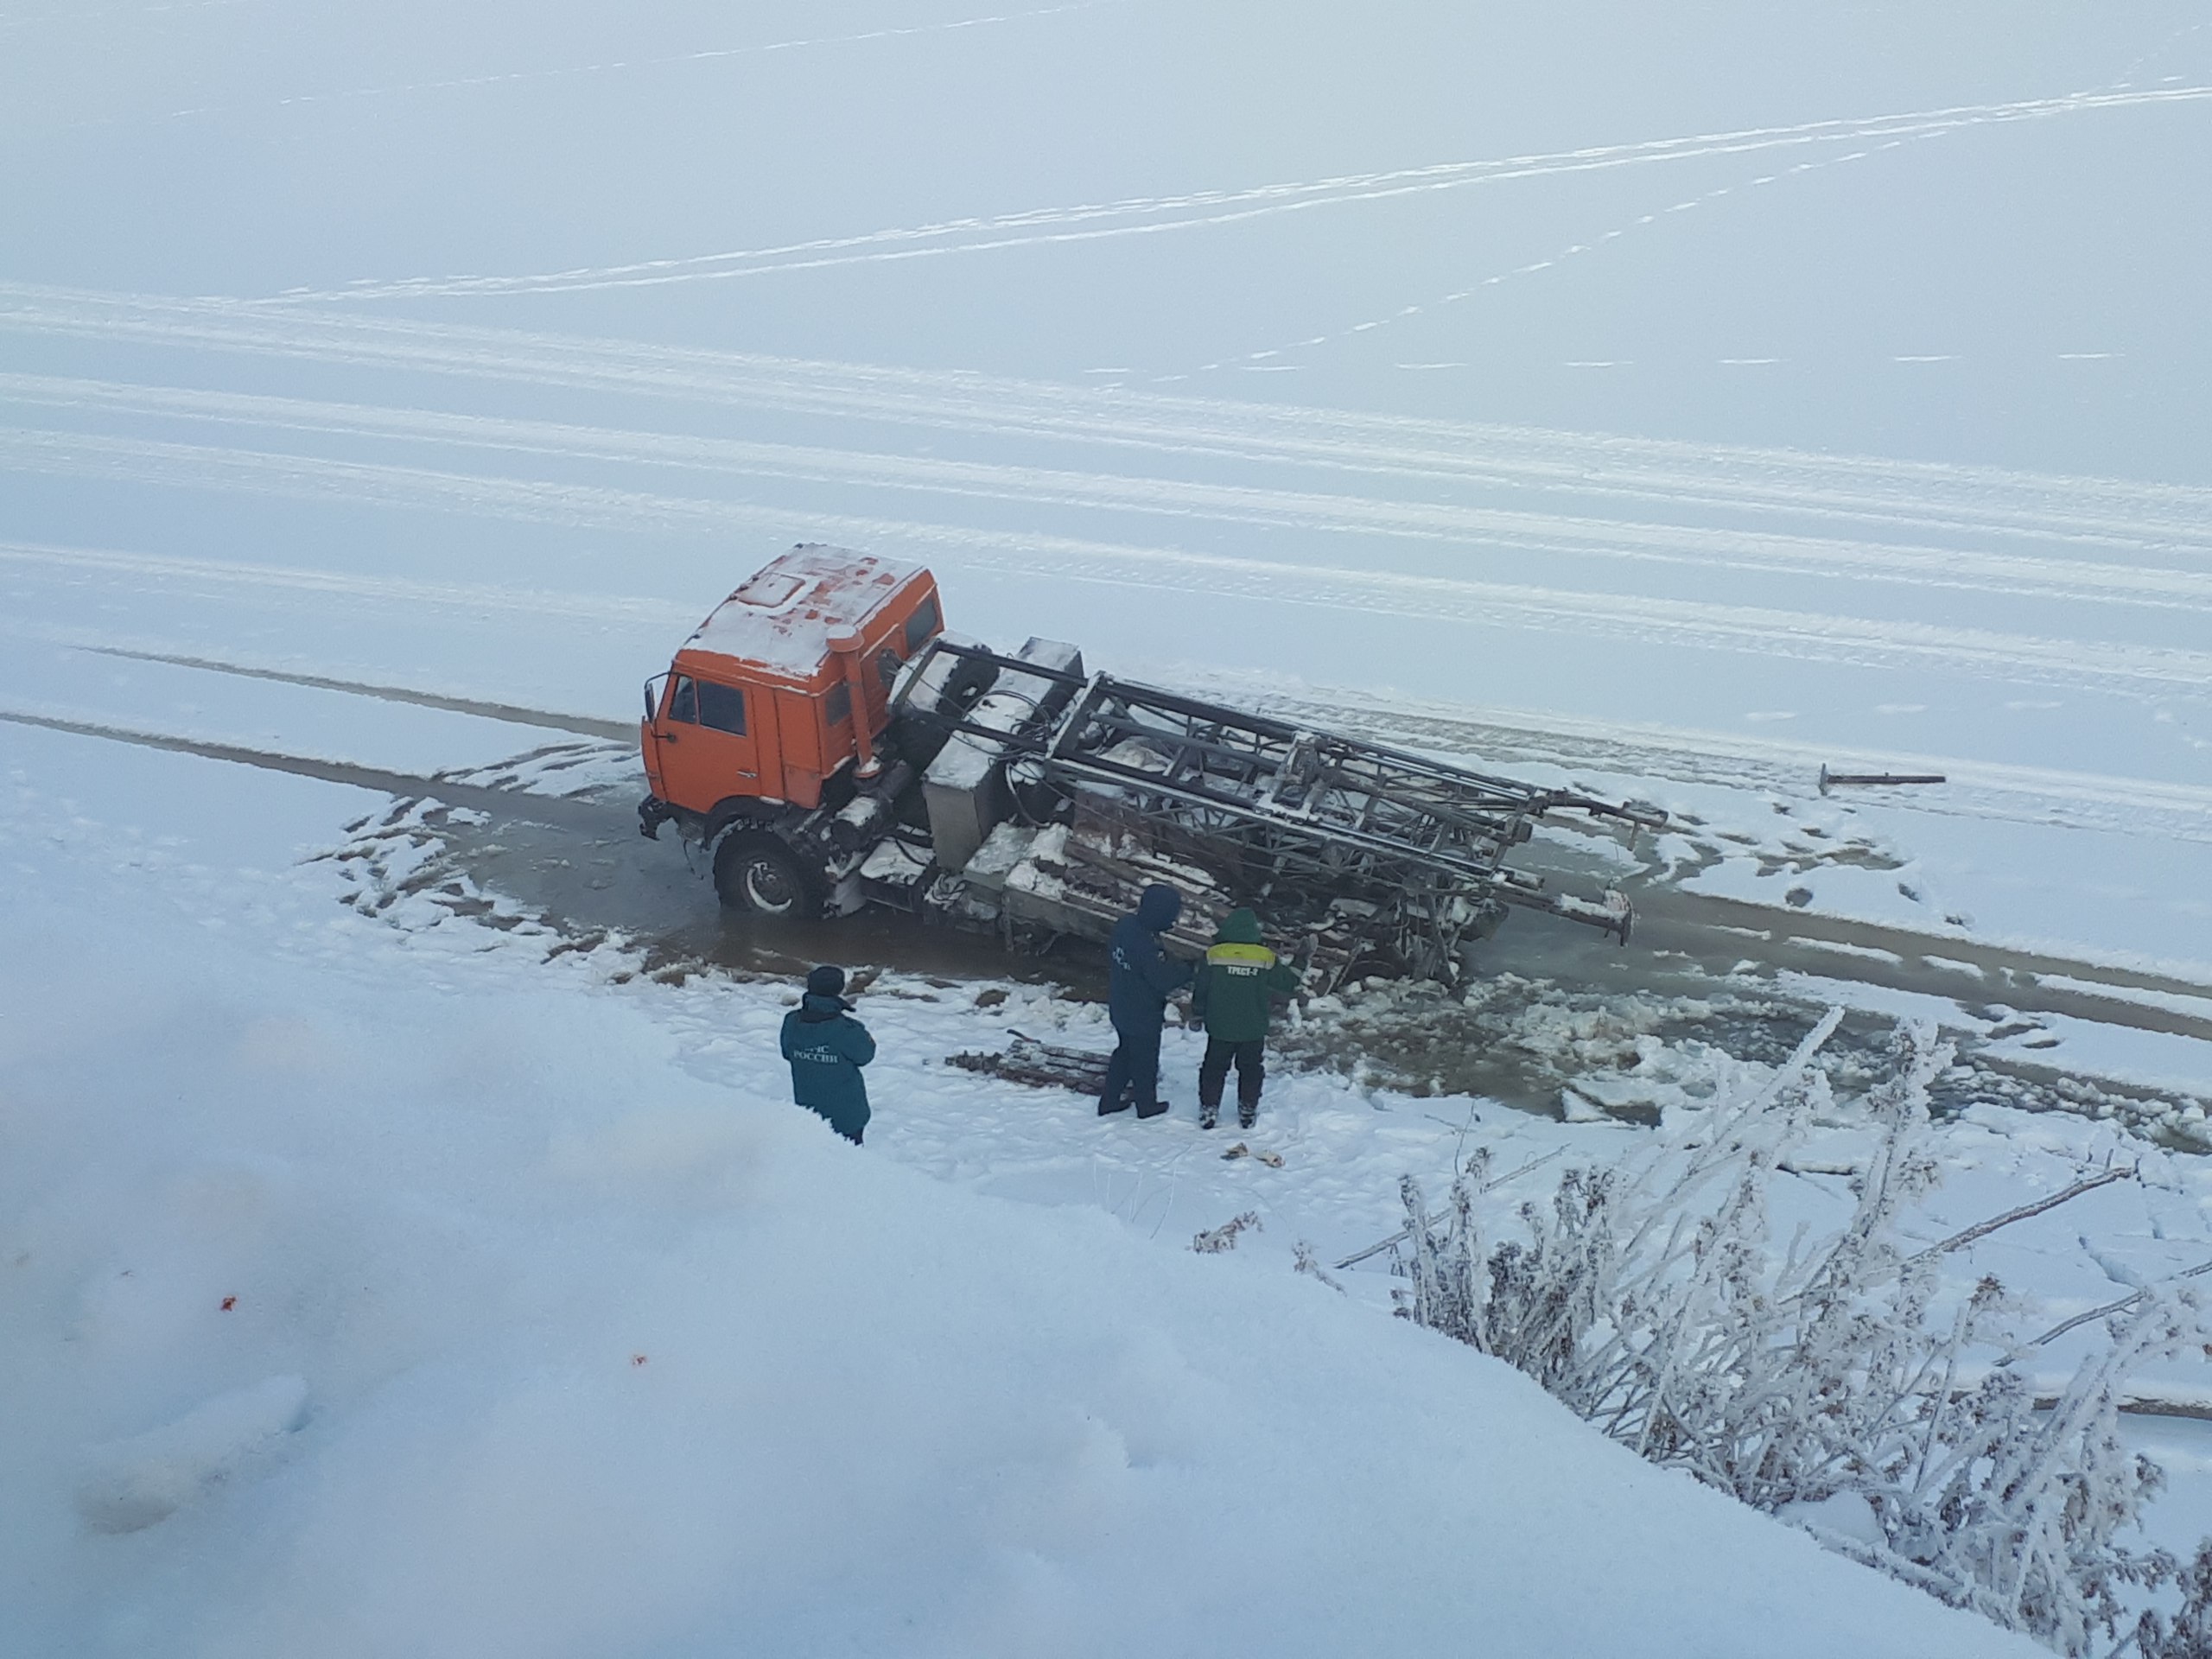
(1303, 1260)
(1215, 1240)
(1407, 1231)
(2119, 1307)
(1983, 1228)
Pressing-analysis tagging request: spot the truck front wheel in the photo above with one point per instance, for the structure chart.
(755, 871)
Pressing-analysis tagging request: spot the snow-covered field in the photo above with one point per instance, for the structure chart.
(1667, 400)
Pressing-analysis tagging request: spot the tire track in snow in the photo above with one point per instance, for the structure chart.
(2073, 581)
(1264, 358)
(1981, 790)
(1638, 620)
(576, 72)
(1671, 622)
(1574, 251)
(2147, 518)
(87, 14)
(512, 714)
(1487, 737)
(1693, 924)
(1152, 215)
(233, 576)
(553, 810)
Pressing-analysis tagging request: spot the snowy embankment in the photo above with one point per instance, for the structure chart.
(365, 1298)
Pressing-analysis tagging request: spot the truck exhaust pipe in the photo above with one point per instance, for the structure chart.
(847, 646)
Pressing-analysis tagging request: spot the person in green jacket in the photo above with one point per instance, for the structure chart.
(826, 1048)
(1230, 999)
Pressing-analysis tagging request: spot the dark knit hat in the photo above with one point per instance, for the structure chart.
(826, 981)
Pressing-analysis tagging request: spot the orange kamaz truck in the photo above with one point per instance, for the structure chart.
(831, 746)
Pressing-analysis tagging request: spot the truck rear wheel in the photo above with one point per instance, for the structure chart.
(755, 871)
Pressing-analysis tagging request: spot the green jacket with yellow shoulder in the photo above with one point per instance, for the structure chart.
(1230, 995)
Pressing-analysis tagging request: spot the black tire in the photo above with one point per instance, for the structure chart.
(757, 872)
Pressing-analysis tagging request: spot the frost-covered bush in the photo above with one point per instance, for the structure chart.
(2187, 1634)
(1823, 1380)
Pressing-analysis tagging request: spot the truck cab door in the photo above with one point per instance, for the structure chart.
(707, 749)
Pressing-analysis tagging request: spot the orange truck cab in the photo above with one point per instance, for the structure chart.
(772, 709)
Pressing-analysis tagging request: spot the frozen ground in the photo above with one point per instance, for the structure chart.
(1667, 400)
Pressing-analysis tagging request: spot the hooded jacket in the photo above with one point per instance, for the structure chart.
(1230, 998)
(826, 1048)
(1143, 976)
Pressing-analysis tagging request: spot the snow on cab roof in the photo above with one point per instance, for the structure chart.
(781, 618)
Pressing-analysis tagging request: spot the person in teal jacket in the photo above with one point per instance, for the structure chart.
(1232, 999)
(826, 1048)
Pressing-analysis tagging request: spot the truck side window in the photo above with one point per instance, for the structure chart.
(838, 706)
(921, 624)
(683, 702)
(722, 707)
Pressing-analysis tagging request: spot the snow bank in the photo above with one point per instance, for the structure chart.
(364, 1300)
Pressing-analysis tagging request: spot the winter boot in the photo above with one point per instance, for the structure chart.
(1209, 1114)
(1247, 1114)
(1153, 1110)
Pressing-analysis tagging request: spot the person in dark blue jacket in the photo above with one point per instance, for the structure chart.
(1143, 976)
(826, 1048)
